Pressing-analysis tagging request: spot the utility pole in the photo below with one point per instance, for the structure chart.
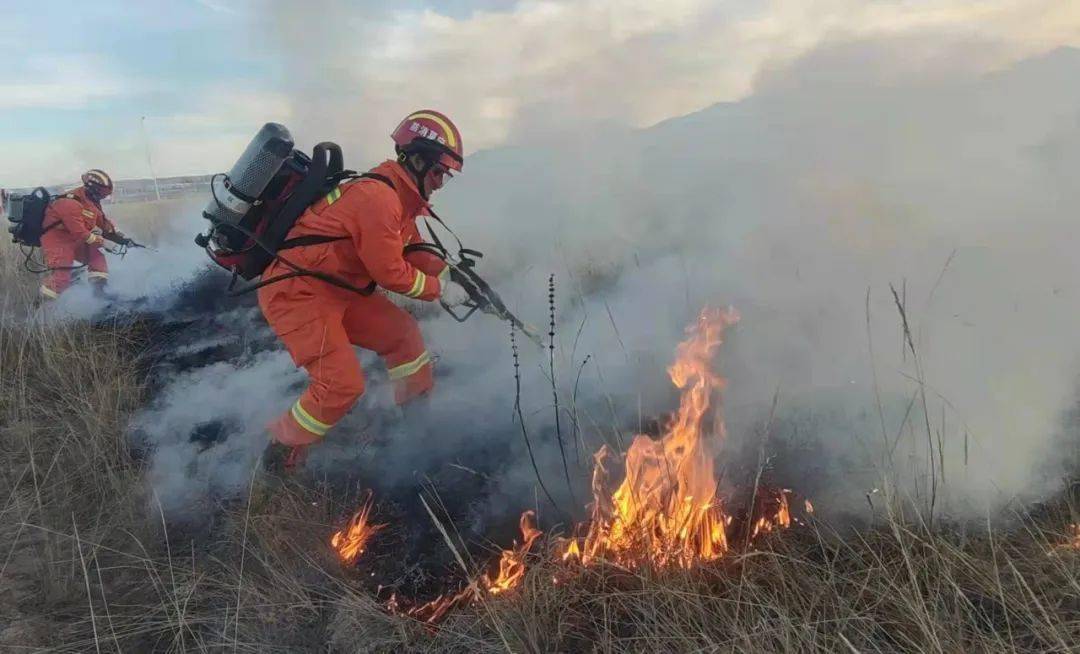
(149, 162)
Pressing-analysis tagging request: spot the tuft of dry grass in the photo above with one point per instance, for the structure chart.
(890, 589)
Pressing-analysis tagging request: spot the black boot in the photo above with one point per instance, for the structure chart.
(100, 292)
(416, 418)
(282, 460)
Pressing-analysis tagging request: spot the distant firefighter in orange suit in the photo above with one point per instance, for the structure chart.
(75, 230)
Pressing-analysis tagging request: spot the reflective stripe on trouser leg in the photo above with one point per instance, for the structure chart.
(298, 427)
(58, 253)
(97, 268)
(336, 379)
(413, 378)
(48, 293)
(287, 431)
(308, 421)
(322, 348)
(57, 281)
(313, 333)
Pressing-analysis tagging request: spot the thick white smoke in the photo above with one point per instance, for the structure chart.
(143, 279)
(849, 171)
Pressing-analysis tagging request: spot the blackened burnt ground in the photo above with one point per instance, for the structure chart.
(189, 352)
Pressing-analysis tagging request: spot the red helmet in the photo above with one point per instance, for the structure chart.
(98, 182)
(428, 131)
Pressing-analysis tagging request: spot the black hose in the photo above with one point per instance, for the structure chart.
(28, 256)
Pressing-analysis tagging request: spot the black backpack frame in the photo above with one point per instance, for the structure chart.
(27, 215)
(247, 251)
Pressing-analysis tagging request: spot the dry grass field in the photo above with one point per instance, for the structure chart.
(87, 562)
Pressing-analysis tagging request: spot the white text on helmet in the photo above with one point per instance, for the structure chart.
(426, 133)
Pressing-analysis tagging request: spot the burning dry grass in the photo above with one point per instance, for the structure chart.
(352, 539)
(1072, 539)
(87, 563)
(886, 590)
(666, 509)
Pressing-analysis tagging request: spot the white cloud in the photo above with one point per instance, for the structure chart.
(229, 108)
(48, 162)
(180, 144)
(219, 7)
(532, 72)
(60, 81)
(550, 65)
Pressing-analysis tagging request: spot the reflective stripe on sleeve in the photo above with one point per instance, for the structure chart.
(410, 368)
(417, 286)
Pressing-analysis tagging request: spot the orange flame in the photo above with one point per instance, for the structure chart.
(434, 611)
(1073, 540)
(511, 571)
(779, 519)
(349, 543)
(666, 509)
(512, 561)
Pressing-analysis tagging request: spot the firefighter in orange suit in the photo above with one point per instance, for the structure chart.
(75, 229)
(320, 323)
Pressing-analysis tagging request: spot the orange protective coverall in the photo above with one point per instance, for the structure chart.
(68, 237)
(320, 323)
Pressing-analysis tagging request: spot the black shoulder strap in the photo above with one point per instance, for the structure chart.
(329, 279)
(50, 199)
(334, 180)
(314, 239)
(311, 239)
(382, 178)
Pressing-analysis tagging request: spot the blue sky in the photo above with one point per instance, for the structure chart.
(99, 67)
(207, 73)
(141, 62)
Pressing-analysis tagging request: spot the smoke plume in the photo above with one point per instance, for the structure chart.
(845, 174)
